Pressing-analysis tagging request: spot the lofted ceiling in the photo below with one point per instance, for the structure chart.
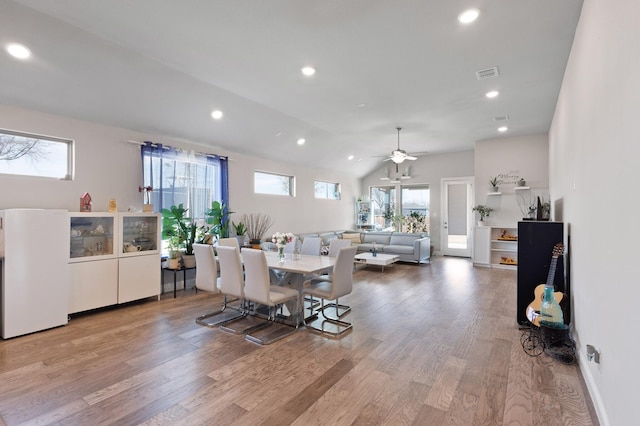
(162, 67)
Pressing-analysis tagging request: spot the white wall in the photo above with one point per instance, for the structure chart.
(109, 167)
(429, 170)
(594, 154)
(510, 158)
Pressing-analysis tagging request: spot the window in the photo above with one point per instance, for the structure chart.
(415, 208)
(178, 177)
(274, 184)
(383, 207)
(35, 155)
(327, 190)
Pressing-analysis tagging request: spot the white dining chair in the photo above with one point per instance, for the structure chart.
(290, 247)
(336, 244)
(331, 288)
(258, 289)
(311, 246)
(232, 283)
(229, 242)
(207, 280)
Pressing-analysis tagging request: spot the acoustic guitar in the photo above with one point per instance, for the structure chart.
(533, 310)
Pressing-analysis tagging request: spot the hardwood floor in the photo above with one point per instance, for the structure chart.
(434, 344)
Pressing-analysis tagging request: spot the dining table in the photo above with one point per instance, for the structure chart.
(293, 271)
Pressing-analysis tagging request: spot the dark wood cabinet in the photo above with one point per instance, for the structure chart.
(535, 249)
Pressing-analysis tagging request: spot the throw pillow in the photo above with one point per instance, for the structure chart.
(355, 238)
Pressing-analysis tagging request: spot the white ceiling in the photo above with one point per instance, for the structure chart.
(161, 67)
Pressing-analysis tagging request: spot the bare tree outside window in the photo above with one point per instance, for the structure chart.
(34, 155)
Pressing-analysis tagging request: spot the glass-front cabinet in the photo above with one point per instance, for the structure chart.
(113, 258)
(91, 236)
(140, 234)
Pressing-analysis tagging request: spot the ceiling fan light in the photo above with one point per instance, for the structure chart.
(397, 159)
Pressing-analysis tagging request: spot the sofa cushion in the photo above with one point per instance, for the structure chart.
(398, 249)
(376, 237)
(327, 237)
(301, 237)
(355, 238)
(403, 238)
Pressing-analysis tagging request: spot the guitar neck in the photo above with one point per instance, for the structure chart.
(552, 271)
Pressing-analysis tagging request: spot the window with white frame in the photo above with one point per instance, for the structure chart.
(29, 154)
(273, 183)
(327, 190)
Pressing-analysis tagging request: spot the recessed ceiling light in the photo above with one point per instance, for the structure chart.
(468, 16)
(503, 129)
(350, 157)
(279, 134)
(217, 114)
(362, 105)
(301, 141)
(308, 71)
(492, 94)
(18, 51)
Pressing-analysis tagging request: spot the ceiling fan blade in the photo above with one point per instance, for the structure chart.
(409, 157)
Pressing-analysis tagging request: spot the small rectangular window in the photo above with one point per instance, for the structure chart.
(35, 155)
(327, 190)
(274, 184)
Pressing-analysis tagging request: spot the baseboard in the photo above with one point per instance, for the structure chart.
(594, 393)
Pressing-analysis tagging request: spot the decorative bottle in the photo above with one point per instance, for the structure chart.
(550, 311)
(374, 251)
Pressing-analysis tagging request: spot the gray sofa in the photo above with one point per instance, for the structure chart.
(409, 247)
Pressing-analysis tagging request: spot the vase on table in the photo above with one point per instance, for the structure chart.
(281, 254)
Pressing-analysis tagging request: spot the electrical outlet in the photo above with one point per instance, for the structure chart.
(593, 354)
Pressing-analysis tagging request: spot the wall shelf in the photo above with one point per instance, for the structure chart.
(517, 188)
(494, 193)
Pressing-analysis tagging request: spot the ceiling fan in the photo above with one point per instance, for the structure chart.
(399, 155)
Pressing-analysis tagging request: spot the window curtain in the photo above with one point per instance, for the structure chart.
(184, 177)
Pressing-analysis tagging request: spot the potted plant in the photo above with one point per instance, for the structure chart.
(483, 211)
(256, 225)
(174, 253)
(218, 218)
(494, 183)
(240, 231)
(180, 230)
(521, 182)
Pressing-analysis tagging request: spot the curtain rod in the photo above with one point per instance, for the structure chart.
(167, 147)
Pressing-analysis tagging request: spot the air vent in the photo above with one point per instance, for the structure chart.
(487, 73)
(501, 118)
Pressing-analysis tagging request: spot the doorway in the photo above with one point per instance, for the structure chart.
(456, 216)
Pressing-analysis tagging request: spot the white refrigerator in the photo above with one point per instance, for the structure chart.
(34, 256)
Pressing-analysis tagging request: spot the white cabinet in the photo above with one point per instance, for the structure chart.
(138, 277)
(93, 285)
(113, 258)
(93, 263)
(481, 243)
(139, 256)
(496, 247)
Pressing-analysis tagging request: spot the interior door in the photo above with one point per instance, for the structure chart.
(456, 216)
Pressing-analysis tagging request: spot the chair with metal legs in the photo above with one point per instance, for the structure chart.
(258, 289)
(232, 283)
(331, 288)
(207, 280)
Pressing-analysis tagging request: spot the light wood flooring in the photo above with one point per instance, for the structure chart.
(433, 344)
